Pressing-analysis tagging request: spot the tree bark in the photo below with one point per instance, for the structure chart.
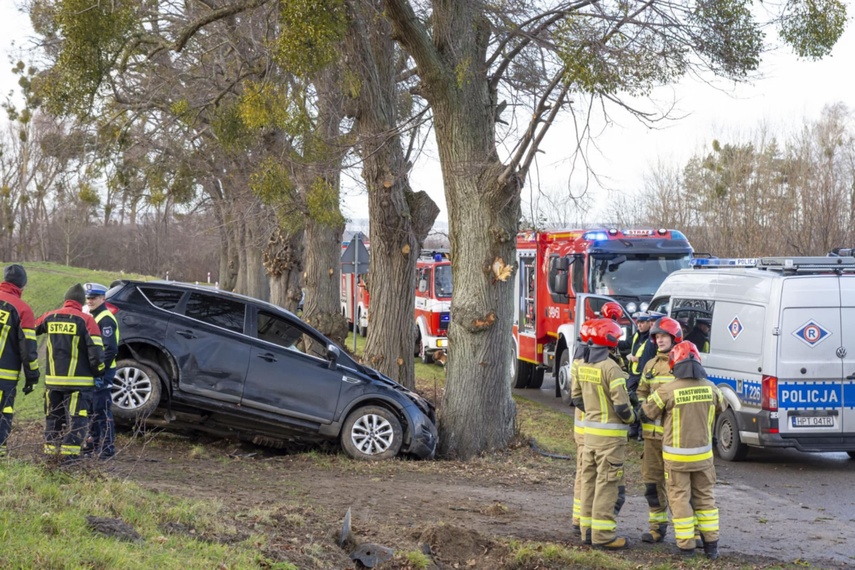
(283, 260)
(478, 413)
(400, 218)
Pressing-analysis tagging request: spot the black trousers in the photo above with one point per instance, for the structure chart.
(66, 420)
(8, 389)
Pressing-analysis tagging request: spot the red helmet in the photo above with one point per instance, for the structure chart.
(612, 310)
(604, 332)
(685, 350)
(585, 332)
(667, 325)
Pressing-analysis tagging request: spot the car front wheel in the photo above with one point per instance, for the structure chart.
(136, 390)
(372, 433)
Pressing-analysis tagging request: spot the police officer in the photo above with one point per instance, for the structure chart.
(700, 335)
(657, 372)
(101, 427)
(636, 348)
(689, 405)
(599, 390)
(75, 359)
(18, 349)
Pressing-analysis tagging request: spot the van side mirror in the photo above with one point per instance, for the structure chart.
(333, 353)
(423, 286)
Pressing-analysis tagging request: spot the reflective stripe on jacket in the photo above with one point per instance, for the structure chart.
(18, 348)
(109, 327)
(657, 372)
(74, 349)
(602, 386)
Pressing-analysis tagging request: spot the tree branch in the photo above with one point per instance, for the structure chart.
(215, 15)
(411, 33)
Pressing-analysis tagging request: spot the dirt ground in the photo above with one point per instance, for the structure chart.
(458, 515)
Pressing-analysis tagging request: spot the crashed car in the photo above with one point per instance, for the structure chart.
(200, 358)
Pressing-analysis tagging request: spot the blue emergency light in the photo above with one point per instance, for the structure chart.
(700, 263)
(595, 236)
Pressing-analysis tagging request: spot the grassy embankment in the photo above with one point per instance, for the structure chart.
(43, 509)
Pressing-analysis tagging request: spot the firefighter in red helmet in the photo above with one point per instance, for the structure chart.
(666, 333)
(688, 406)
(599, 390)
(579, 354)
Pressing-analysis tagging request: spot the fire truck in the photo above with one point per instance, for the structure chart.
(433, 305)
(359, 310)
(564, 278)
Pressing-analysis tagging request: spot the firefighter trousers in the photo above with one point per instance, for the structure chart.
(66, 421)
(602, 480)
(692, 496)
(577, 486)
(8, 389)
(653, 477)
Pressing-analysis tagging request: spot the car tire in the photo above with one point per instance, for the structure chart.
(562, 379)
(136, 390)
(372, 433)
(730, 447)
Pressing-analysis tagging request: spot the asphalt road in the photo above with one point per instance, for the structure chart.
(787, 505)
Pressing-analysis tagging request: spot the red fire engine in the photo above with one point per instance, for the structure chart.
(559, 268)
(433, 304)
(360, 310)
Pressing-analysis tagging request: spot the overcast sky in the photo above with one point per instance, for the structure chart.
(789, 93)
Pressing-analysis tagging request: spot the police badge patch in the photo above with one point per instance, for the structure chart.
(107, 331)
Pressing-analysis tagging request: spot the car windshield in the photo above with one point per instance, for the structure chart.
(632, 276)
(442, 280)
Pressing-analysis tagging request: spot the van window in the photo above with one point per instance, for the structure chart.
(695, 316)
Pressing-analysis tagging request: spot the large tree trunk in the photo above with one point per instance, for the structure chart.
(478, 413)
(283, 260)
(400, 219)
(322, 281)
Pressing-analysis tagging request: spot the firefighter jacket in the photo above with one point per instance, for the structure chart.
(579, 415)
(17, 336)
(657, 372)
(688, 407)
(74, 349)
(109, 327)
(600, 386)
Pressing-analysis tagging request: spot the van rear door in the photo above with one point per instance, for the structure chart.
(810, 370)
(847, 309)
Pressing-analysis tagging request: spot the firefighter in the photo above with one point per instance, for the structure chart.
(75, 359)
(101, 429)
(688, 406)
(18, 350)
(635, 346)
(579, 355)
(666, 333)
(599, 390)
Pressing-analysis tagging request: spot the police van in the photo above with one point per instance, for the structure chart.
(780, 345)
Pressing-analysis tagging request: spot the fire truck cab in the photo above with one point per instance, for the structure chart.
(433, 305)
(556, 267)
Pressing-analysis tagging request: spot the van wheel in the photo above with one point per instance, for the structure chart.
(562, 381)
(730, 448)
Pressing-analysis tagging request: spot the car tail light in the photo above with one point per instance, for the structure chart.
(769, 393)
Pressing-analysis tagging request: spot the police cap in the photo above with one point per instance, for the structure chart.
(94, 289)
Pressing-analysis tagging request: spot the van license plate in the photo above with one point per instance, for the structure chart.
(813, 421)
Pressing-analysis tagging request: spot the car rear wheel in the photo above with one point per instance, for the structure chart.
(372, 433)
(136, 390)
(730, 447)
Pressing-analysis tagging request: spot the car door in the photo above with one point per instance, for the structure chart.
(289, 373)
(810, 368)
(210, 347)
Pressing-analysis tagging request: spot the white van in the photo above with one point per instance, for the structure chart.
(781, 347)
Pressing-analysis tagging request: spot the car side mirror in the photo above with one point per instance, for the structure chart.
(422, 286)
(333, 353)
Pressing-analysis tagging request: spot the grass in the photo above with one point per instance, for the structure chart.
(43, 516)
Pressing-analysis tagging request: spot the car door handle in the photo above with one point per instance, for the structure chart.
(186, 334)
(268, 357)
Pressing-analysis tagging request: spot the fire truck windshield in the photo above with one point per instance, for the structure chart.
(632, 276)
(442, 280)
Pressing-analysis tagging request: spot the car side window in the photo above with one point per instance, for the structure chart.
(225, 313)
(695, 317)
(166, 299)
(287, 334)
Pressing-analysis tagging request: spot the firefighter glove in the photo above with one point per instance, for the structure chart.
(29, 385)
(633, 398)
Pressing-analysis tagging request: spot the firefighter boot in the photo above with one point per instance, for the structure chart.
(655, 535)
(687, 552)
(711, 549)
(587, 538)
(617, 543)
(699, 542)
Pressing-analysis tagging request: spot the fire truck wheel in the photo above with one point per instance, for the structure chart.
(418, 350)
(427, 357)
(730, 448)
(520, 370)
(562, 381)
(536, 380)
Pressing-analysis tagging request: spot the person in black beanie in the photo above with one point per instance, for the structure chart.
(70, 379)
(19, 351)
